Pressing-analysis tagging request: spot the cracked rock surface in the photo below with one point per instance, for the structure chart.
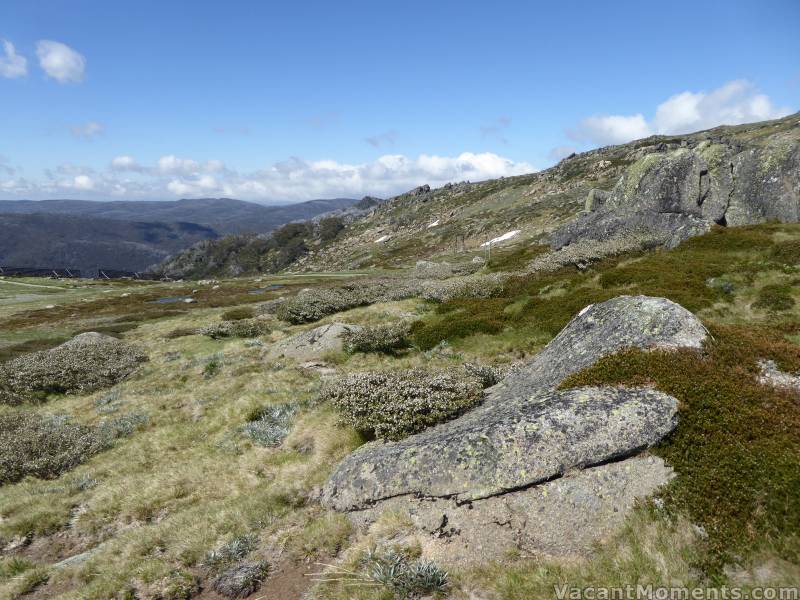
(563, 517)
(512, 444)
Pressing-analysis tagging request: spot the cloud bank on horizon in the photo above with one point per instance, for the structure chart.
(294, 179)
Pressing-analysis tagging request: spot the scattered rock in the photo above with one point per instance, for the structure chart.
(314, 344)
(241, 580)
(771, 375)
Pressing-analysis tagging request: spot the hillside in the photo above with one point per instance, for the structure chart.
(223, 215)
(232, 424)
(660, 185)
(132, 236)
(88, 243)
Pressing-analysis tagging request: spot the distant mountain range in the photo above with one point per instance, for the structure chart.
(132, 235)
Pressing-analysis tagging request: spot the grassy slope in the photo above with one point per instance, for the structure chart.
(186, 482)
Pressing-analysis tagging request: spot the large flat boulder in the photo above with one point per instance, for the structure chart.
(312, 344)
(565, 517)
(521, 441)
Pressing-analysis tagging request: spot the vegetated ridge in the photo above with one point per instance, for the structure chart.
(664, 188)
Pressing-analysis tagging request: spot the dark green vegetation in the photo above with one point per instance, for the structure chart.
(737, 446)
(685, 275)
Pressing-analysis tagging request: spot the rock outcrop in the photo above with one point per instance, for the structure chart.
(312, 344)
(526, 431)
(513, 443)
(562, 517)
(529, 440)
(680, 192)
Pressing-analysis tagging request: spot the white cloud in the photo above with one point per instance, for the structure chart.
(12, 65)
(124, 163)
(60, 62)
(294, 179)
(87, 131)
(611, 129)
(83, 182)
(173, 164)
(733, 103)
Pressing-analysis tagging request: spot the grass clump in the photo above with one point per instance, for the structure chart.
(238, 314)
(736, 445)
(230, 552)
(270, 426)
(396, 572)
(786, 252)
(393, 405)
(775, 297)
(379, 338)
(244, 328)
(44, 446)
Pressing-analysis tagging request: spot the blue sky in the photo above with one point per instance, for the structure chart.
(277, 101)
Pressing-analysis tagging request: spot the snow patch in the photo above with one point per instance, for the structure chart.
(506, 236)
(382, 239)
(434, 224)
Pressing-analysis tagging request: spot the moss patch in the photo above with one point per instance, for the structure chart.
(737, 445)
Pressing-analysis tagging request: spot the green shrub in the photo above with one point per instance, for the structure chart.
(44, 447)
(212, 368)
(774, 297)
(232, 551)
(379, 338)
(238, 314)
(393, 405)
(736, 445)
(248, 328)
(461, 318)
(84, 364)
